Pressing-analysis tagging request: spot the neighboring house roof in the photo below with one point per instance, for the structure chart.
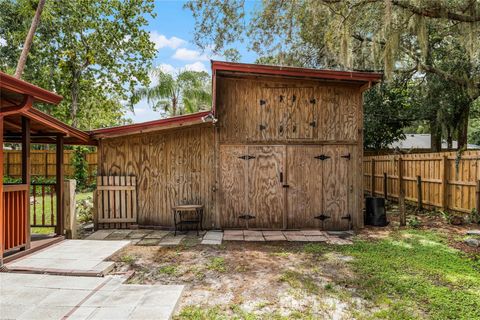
(422, 141)
(155, 125)
(16, 101)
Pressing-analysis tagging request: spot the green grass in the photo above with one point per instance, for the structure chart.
(415, 274)
(169, 270)
(47, 205)
(217, 264)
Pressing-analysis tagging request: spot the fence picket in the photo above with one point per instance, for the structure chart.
(446, 182)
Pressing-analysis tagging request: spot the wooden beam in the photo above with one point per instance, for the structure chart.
(26, 104)
(59, 184)
(26, 172)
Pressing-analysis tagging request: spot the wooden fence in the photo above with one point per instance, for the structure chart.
(432, 180)
(43, 163)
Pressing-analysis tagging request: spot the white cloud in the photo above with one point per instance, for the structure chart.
(196, 66)
(167, 68)
(162, 41)
(189, 55)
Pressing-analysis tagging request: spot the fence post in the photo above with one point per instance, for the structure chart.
(46, 164)
(401, 193)
(8, 164)
(444, 182)
(70, 216)
(373, 177)
(385, 186)
(477, 196)
(419, 193)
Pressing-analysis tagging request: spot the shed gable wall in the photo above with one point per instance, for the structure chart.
(173, 167)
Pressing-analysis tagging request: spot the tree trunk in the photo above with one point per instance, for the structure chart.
(436, 136)
(174, 106)
(462, 128)
(449, 138)
(28, 40)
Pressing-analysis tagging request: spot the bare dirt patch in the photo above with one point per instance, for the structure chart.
(282, 279)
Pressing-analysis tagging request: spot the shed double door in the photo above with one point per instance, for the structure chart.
(277, 187)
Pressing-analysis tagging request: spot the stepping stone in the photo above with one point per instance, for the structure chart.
(313, 233)
(252, 233)
(233, 238)
(148, 242)
(272, 233)
(215, 242)
(118, 235)
(296, 238)
(293, 234)
(171, 240)
(254, 238)
(99, 235)
(139, 234)
(279, 237)
(213, 235)
(317, 238)
(233, 233)
(157, 234)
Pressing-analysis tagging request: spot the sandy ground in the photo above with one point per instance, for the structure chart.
(269, 278)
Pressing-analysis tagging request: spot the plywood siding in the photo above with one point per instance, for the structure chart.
(172, 167)
(252, 110)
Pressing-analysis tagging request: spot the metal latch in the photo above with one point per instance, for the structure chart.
(313, 124)
(262, 102)
(322, 157)
(246, 217)
(313, 101)
(262, 127)
(246, 157)
(322, 217)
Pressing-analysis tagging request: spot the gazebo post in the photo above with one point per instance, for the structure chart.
(26, 171)
(1, 194)
(59, 184)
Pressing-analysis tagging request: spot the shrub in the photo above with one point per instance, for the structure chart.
(84, 210)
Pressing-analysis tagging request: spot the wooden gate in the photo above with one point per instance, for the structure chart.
(116, 201)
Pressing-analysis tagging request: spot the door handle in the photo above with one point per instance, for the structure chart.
(281, 177)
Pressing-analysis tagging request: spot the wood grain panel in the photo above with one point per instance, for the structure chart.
(335, 187)
(172, 167)
(266, 196)
(304, 195)
(233, 186)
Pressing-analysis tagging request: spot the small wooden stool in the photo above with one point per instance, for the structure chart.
(180, 210)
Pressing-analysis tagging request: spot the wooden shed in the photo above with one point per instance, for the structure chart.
(280, 149)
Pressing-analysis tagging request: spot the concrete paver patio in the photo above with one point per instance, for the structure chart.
(71, 256)
(45, 297)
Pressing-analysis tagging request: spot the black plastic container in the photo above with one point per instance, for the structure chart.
(375, 214)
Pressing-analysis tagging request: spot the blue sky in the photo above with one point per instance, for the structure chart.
(172, 32)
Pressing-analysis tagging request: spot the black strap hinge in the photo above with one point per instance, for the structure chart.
(346, 156)
(347, 217)
(262, 127)
(322, 217)
(246, 157)
(322, 157)
(262, 102)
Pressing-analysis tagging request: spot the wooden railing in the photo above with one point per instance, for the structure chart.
(43, 208)
(15, 210)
